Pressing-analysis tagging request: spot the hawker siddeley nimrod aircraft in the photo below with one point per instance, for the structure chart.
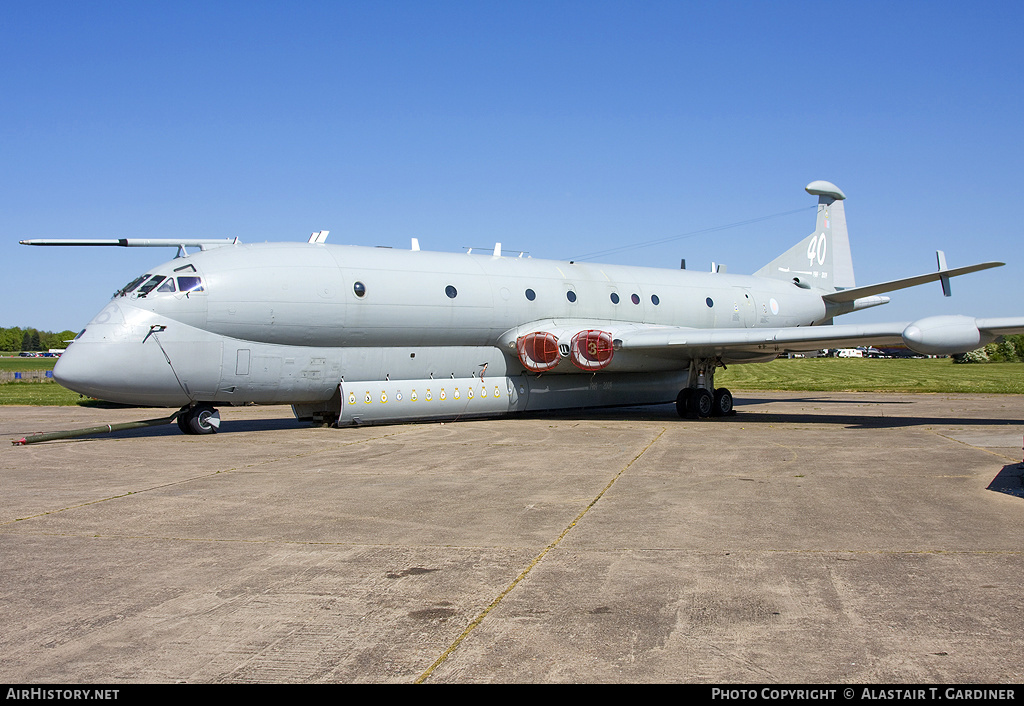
(360, 335)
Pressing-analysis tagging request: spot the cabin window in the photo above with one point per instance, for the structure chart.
(615, 298)
(570, 295)
(360, 289)
(190, 284)
(451, 291)
(531, 295)
(655, 300)
(635, 298)
(710, 302)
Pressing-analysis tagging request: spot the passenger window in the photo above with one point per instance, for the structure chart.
(190, 284)
(615, 298)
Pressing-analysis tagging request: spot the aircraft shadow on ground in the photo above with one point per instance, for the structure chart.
(1010, 480)
(667, 413)
(227, 427)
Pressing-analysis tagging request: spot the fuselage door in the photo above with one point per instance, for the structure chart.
(746, 307)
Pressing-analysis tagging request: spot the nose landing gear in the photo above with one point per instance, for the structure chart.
(199, 419)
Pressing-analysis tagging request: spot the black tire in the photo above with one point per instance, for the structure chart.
(701, 402)
(201, 419)
(182, 420)
(723, 402)
(682, 402)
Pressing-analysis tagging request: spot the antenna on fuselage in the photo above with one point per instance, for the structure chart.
(318, 236)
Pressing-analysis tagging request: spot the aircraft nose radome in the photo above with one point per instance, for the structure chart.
(72, 371)
(119, 372)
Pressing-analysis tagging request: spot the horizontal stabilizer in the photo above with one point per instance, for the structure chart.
(849, 295)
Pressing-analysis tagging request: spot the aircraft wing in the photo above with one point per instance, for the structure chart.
(686, 343)
(936, 335)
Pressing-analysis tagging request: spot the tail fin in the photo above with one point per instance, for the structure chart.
(822, 259)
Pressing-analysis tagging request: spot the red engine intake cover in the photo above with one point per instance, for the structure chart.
(538, 351)
(592, 350)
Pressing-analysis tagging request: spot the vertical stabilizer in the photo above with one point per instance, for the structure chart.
(823, 258)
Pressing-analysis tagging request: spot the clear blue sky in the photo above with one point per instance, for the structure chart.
(559, 128)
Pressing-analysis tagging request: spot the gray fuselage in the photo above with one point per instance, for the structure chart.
(289, 322)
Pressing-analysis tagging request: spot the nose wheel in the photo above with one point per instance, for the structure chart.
(200, 419)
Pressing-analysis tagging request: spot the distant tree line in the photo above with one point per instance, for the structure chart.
(1009, 350)
(29, 339)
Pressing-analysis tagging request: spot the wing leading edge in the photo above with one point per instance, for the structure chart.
(935, 335)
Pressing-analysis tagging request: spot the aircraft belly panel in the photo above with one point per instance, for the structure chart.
(378, 401)
(613, 389)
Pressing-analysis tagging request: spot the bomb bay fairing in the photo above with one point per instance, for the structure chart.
(350, 335)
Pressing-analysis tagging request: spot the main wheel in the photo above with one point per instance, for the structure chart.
(723, 402)
(701, 402)
(682, 402)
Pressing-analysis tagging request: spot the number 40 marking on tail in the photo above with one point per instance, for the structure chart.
(816, 249)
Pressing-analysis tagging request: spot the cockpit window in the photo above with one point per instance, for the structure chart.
(151, 284)
(190, 284)
(162, 284)
(130, 287)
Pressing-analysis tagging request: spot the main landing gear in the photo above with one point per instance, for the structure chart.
(700, 398)
(201, 418)
(701, 402)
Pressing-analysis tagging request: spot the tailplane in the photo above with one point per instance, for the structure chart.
(821, 260)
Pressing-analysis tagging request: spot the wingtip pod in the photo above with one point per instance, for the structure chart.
(944, 335)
